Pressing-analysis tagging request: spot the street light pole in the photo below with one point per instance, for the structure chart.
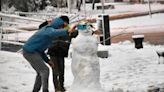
(149, 9)
(84, 3)
(0, 5)
(102, 2)
(93, 4)
(1, 33)
(69, 6)
(0, 26)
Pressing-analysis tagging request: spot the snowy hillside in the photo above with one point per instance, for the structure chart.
(127, 68)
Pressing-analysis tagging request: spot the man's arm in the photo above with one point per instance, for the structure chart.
(51, 32)
(56, 32)
(43, 24)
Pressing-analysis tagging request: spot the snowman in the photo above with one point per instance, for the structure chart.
(85, 62)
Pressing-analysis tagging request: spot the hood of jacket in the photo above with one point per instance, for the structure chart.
(56, 23)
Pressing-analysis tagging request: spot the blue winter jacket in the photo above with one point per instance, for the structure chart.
(43, 38)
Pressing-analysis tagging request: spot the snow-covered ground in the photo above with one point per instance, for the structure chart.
(127, 68)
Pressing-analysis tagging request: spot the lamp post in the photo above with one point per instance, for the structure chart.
(69, 6)
(102, 2)
(93, 4)
(0, 5)
(0, 26)
(104, 26)
(84, 3)
(149, 8)
(0, 33)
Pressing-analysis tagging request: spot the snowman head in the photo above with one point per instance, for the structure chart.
(85, 29)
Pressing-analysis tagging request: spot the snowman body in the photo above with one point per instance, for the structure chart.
(85, 63)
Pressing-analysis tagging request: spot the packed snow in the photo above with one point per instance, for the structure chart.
(126, 68)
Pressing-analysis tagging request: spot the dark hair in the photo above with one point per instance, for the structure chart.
(65, 19)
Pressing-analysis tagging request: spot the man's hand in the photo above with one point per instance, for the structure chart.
(72, 28)
(51, 64)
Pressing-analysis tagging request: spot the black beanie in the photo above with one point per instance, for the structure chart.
(65, 19)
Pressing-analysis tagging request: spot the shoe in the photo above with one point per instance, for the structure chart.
(62, 89)
(57, 90)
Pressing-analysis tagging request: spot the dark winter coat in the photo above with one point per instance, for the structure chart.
(60, 45)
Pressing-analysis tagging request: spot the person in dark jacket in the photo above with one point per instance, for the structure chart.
(57, 52)
(34, 50)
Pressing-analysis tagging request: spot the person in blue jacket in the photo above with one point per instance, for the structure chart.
(35, 47)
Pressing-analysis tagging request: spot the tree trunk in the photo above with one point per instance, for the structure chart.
(43, 5)
(1, 5)
(62, 3)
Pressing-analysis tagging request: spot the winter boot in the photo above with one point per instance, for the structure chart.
(57, 89)
(62, 89)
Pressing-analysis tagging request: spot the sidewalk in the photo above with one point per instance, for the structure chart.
(152, 38)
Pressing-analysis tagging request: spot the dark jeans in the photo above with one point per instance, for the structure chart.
(41, 69)
(58, 71)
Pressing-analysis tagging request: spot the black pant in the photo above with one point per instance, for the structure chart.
(58, 71)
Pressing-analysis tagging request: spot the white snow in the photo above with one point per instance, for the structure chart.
(127, 68)
(138, 36)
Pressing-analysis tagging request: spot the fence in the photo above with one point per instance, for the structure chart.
(9, 22)
(8, 25)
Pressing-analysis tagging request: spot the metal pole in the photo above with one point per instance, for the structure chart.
(1, 34)
(102, 2)
(84, 3)
(102, 16)
(0, 5)
(93, 4)
(104, 26)
(149, 9)
(69, 6)
(106, 29)
(0, 26)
